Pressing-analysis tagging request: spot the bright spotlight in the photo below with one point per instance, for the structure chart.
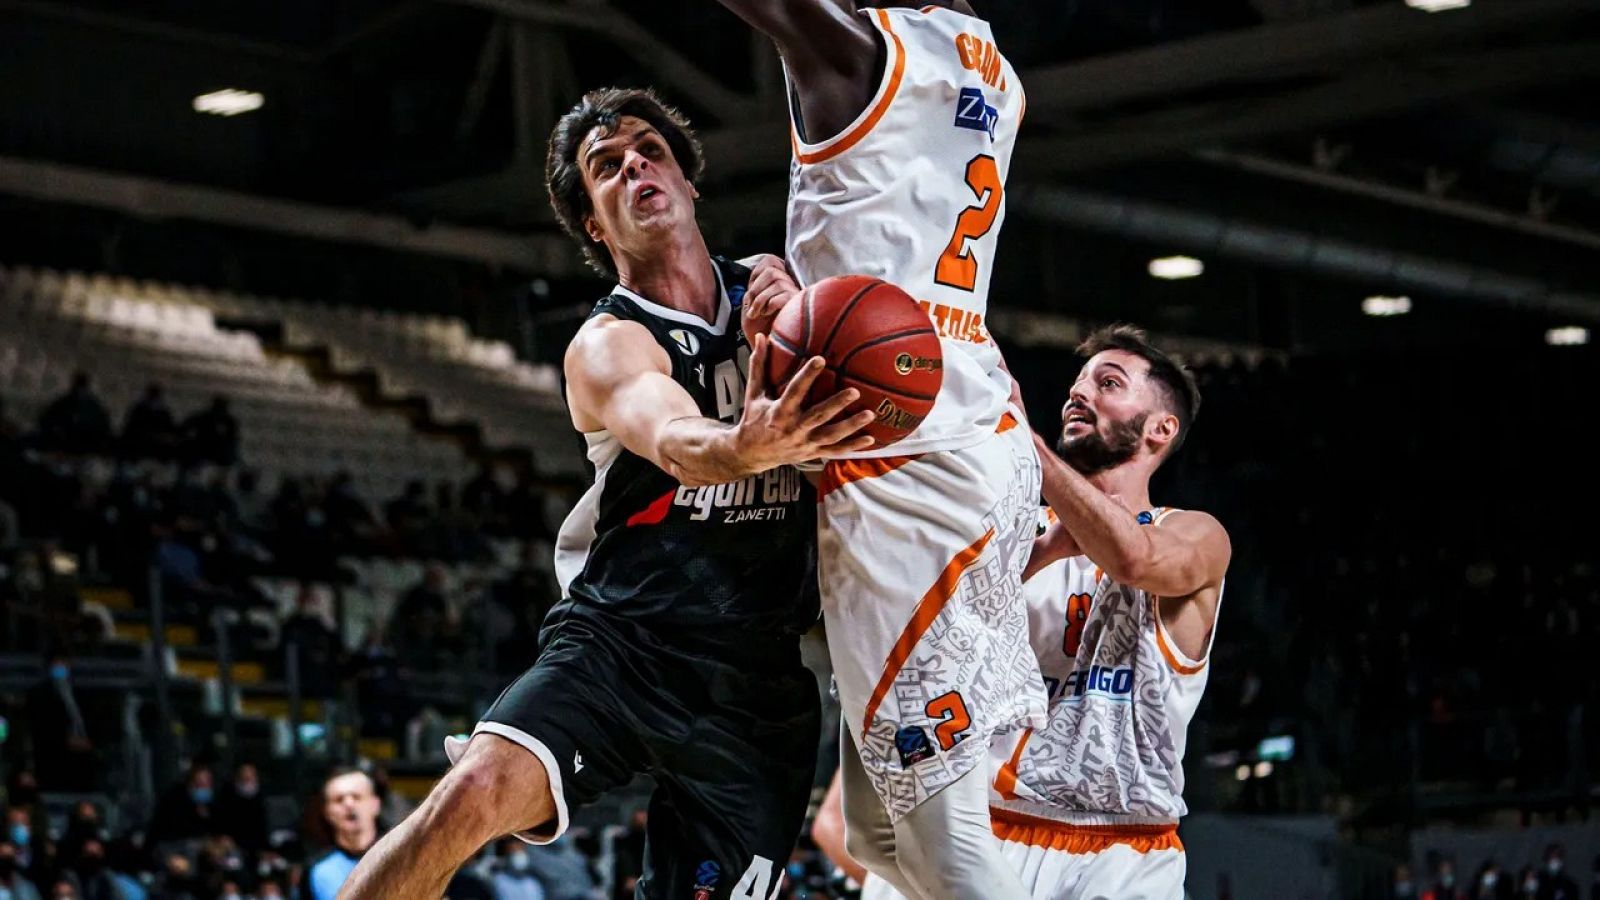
(228, 102)
(1434, 6)
(1172, 268)
(1386, 306)
(1570, 336)
(1263, 769)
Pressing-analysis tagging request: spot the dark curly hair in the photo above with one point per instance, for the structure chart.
(603, 109)
(1179, 392)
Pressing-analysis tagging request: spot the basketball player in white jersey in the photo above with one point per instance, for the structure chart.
(1123, 597)
(903, 122)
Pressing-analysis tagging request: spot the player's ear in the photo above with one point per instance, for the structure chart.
(694, 191)
(1162, 430)
(592, 228)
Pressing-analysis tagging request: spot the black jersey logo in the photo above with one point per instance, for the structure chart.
(685, 340)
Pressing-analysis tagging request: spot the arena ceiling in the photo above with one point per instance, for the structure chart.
(1312, 152)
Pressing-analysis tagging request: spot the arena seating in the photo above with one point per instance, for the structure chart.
(126, 336)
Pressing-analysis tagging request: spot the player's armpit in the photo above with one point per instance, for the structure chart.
(1187, 553)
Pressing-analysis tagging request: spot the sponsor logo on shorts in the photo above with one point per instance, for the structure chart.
(975, 113)
(705, 879)
(577, 762)
(760, 498)
(895, 417)
(905, 364)
(913, 744)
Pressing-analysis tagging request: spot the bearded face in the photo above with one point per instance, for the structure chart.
(1092, 445)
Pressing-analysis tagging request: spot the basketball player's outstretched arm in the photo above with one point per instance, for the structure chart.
(1186, 555)
(833, 56)
(619, 379)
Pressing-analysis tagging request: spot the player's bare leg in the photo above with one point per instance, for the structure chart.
(496, 788)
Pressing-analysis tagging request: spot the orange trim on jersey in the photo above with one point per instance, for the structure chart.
(1005, 783)
(928, 609)
(853, 136)
(1007, 422)
(1036, 832)
(1166, 650)
(839, 472)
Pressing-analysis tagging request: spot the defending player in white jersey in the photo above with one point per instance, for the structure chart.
(904, 118)
(1123, 598)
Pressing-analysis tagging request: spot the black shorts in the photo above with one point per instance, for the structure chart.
(731, 745)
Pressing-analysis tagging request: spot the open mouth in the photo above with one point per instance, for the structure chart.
(1079, 417)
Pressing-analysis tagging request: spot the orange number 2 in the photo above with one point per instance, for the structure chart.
(953, 711)
(956, 266)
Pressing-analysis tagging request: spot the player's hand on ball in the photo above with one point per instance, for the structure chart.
(776, 431)
(771, 287)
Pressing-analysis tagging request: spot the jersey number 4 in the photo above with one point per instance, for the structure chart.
(957, 267)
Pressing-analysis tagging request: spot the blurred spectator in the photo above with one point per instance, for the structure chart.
(12, 879)
(517, 607)
(65, 890)
(242, 811)
(254, 507)
(149, 431)
(512, 873)
(1404, 887)
(176, 881)
(350, 520)
(350, 808)
(212, 435)
(94, 882)
(76, 422)
(309, 628)
(380, 687)
(187, 810)
(1491, 883)
(408, 513)
(562, 868)
(422, 626)
(394, 806)
(1444, 883)
(1528, 883)
(65, 753)
(628, 854)
(1555, 883)
(83, 825)
(483, 499)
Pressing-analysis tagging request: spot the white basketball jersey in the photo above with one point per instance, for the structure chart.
(913, 192)
(1121, 695)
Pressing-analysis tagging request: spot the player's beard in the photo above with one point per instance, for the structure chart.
(1094, 453)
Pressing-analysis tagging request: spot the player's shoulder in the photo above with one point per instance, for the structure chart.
(608, 342)
(1200, 526)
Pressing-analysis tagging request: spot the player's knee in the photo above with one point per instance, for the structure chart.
(489, 794)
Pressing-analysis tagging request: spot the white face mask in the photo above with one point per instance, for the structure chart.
(518, 860)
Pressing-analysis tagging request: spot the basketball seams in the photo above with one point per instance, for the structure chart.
(839, 320)
(884, 339)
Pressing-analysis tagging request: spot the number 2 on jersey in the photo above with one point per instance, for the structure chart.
(957, 267)
(952, 710)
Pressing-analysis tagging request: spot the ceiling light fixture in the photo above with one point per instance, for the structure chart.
(228, 102)
(1172, 268)
(1434, 6)
(1570, 336)
(1386, 306)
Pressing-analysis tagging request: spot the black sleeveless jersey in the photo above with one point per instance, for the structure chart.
(698, 567)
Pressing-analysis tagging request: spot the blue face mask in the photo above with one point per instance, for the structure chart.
(797, 870)
(20, 834)
(201, 796)
(59, 671)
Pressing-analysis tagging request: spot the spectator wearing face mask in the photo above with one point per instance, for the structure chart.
(61, 740)
(11, 877)
(1404, 887)
(241, 810)
(1492, 883)
(187, 811)
(64, 889)
(513, 877)
(1555, 883)
(1444, 884)
(230, 891)
(19, 830)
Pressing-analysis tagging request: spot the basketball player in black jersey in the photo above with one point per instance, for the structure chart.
(688, 568)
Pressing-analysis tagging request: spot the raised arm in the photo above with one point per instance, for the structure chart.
(833, 55)
(1186, 555)
(619, 379)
